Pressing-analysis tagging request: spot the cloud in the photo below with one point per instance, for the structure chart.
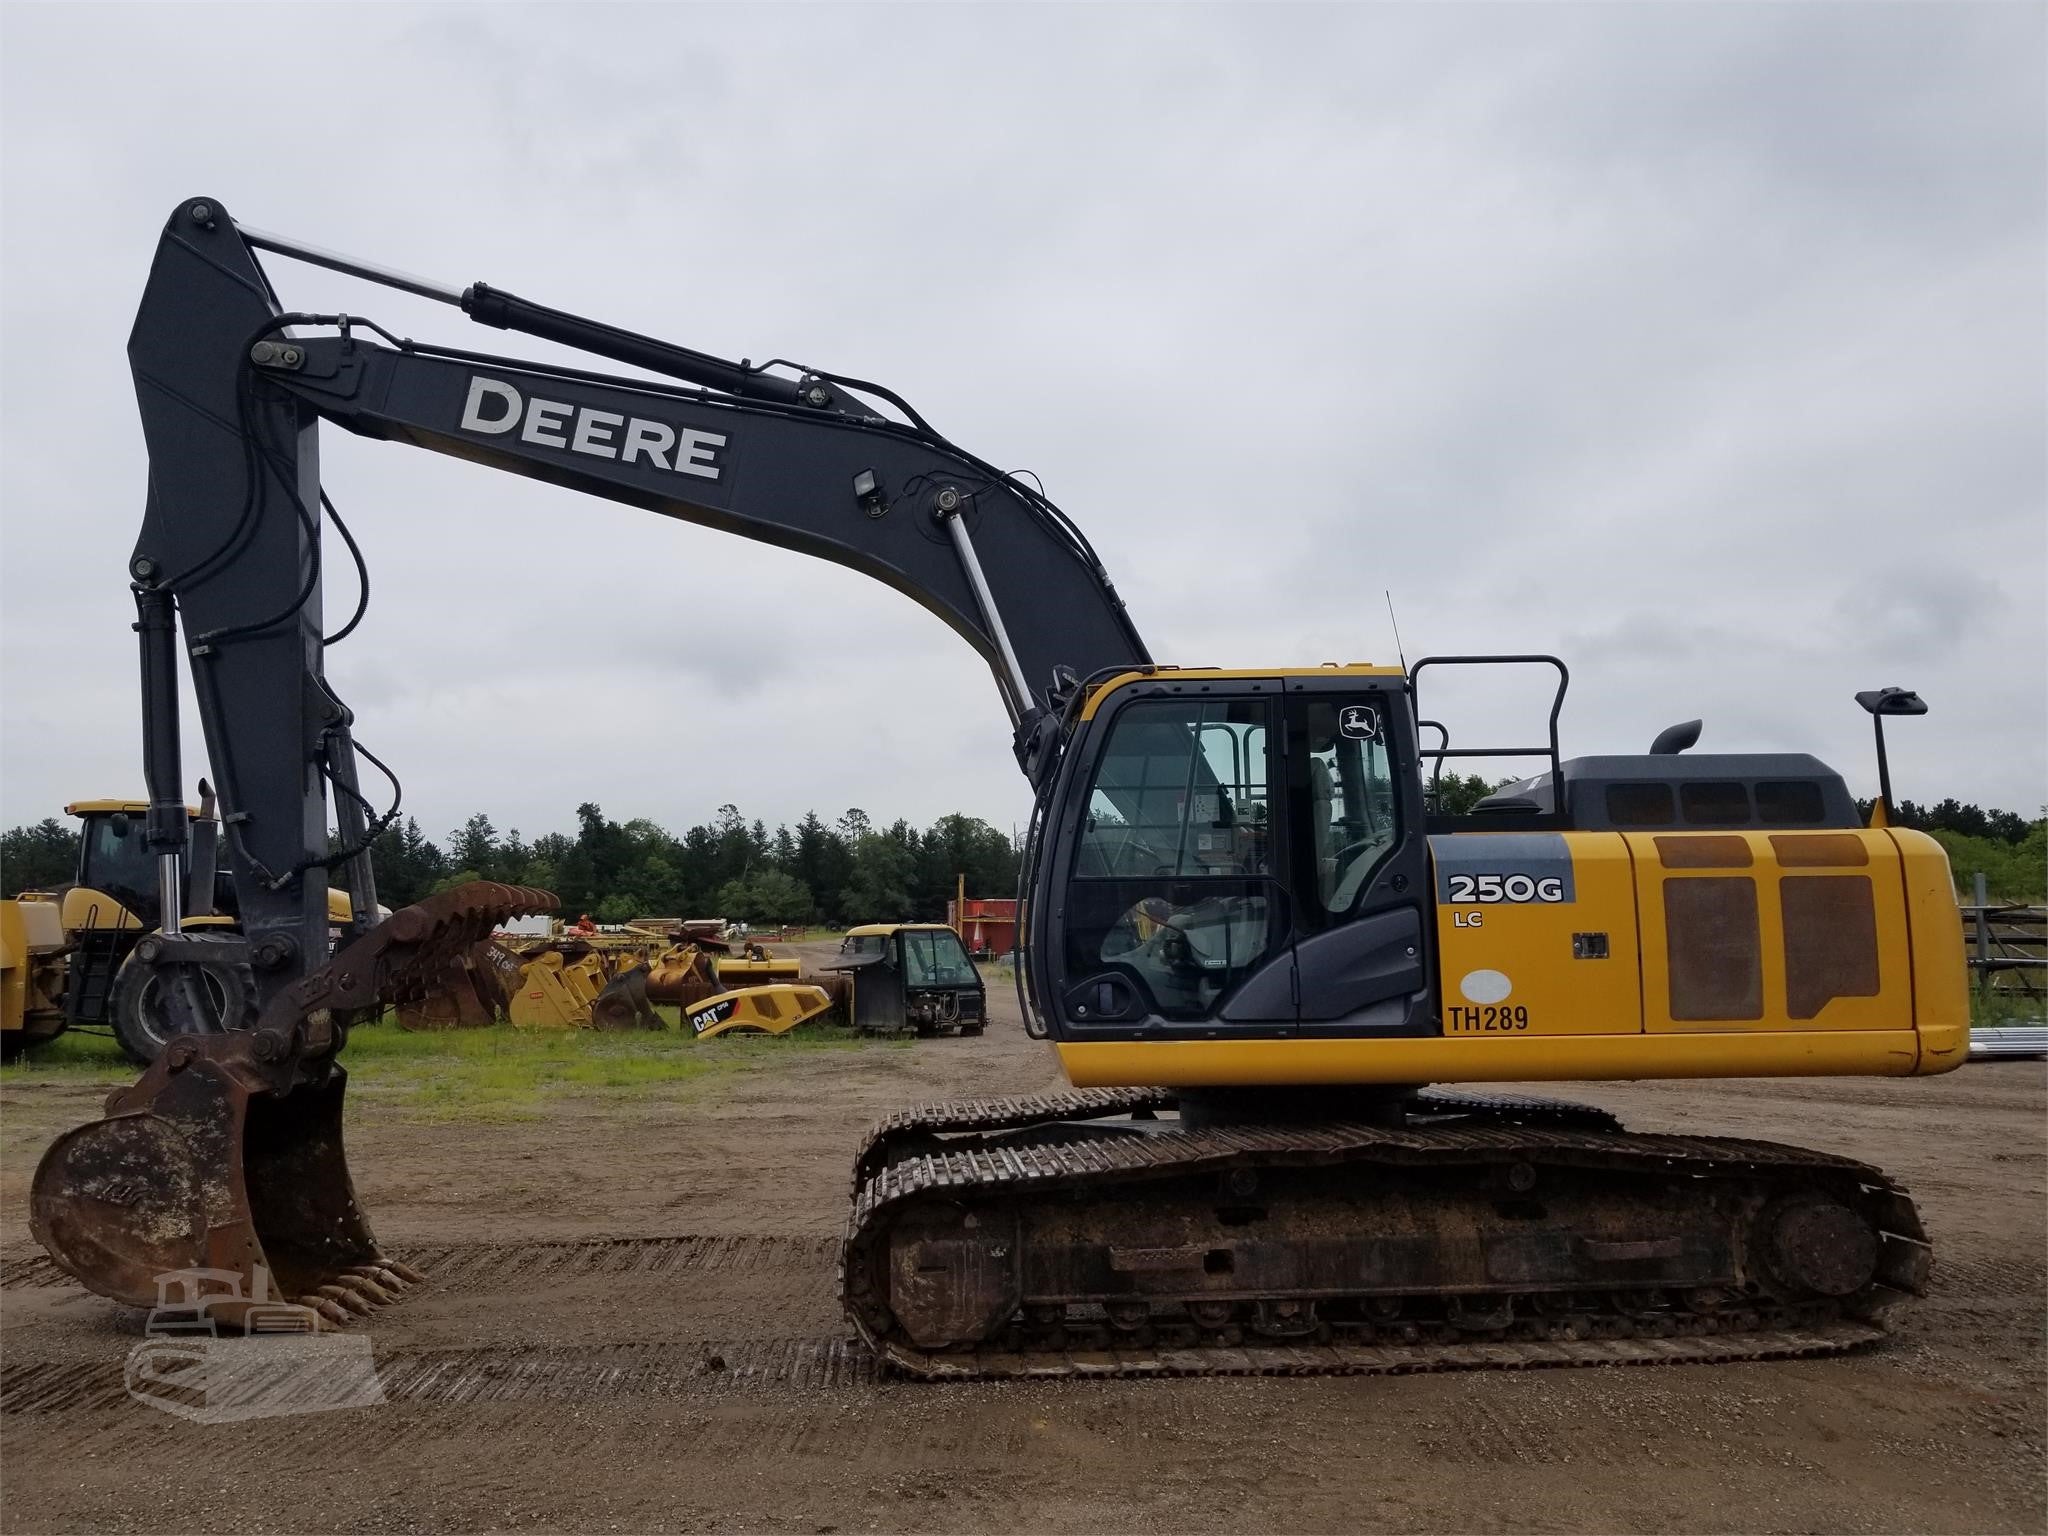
(1702, 344)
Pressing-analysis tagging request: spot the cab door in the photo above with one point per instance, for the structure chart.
(1172, 913)
(1359, 865)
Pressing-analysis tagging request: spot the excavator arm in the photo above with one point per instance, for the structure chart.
(232, 389)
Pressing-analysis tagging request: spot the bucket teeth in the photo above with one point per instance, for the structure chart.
(429, 941)
(389, 1283)
(330, 1312)
(342, 1296)
(405, 1272)
(366, 1288)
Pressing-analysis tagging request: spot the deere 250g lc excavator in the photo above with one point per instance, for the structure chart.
(1249, 938)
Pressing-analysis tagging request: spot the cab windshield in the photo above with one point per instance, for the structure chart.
(115, 859)
(935, 957)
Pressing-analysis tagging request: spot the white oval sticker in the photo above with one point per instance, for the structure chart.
(1485, 986)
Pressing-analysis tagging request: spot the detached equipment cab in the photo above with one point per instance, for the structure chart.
(911, 977)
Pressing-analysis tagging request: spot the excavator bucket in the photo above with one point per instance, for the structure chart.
(223, 1168)
(774, 1010)
(623, 1003)
(472, 991)
(545, 999)
(682, 974)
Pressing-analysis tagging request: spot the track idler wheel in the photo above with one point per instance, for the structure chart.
(1816, 1246)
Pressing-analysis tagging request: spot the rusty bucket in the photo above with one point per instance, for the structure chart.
(225, 1161)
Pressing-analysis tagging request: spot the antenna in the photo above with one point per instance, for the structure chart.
(1397, 629)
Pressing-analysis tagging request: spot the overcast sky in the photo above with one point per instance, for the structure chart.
(1705, 345)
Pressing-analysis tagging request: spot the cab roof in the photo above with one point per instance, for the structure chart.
(1199, 675)
(108, 807)
(883, 930)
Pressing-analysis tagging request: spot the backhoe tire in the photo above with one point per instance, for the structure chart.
(140, 1019)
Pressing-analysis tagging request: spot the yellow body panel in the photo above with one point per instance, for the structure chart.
(31, 968)
(84, 907)
(744, 973)
(772, 1009)
(1511, 1058)
(1941, 967)
(1508, 966)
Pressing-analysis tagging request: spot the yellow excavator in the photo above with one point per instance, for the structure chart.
(1248, 937)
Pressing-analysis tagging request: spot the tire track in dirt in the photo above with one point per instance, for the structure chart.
(478, 1266)
(481, 1266)
(708, 1369)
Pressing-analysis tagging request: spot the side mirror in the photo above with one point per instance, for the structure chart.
(1892, 701)
(120, 823)
(1882, 702)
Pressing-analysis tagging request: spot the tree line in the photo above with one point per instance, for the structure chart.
(850, 870)
(846, 871)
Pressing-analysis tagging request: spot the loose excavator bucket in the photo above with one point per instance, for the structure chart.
(623, 1003)
(555, 991)
(225, 1161)
(682, 973)
(772, 1009)
(690, 972)
(473, 990)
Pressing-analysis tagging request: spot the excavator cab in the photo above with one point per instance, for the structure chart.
(1242, 857)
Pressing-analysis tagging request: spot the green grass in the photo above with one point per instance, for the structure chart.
(73, 1052)
(2004, 1006)
(502, 1074)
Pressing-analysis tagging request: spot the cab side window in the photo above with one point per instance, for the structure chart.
(1350, 819)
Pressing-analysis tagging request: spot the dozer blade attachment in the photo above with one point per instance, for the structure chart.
(219, 1179)
(774, 1010)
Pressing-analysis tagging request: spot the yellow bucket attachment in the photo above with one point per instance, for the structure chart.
(771, 1009)
(553, 994)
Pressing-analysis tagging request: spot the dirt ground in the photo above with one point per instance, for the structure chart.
(631, 1325)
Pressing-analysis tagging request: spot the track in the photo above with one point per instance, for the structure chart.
(965, 1209)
